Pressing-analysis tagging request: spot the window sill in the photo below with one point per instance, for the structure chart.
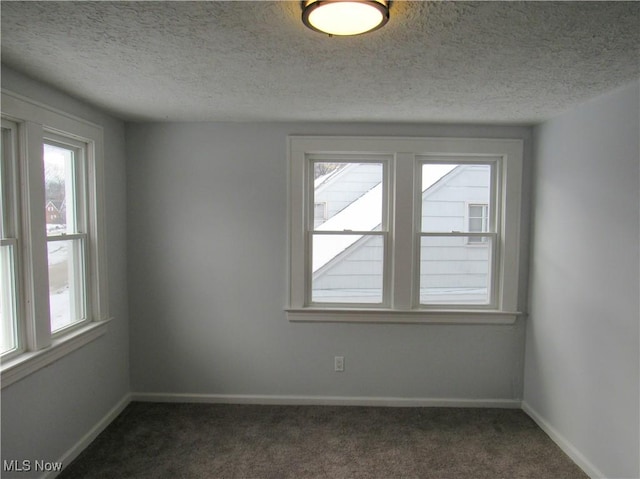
(442, 316)
(27, 363)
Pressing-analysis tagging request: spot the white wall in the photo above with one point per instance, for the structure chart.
(207, 236)
(582, 347)
(47, 413)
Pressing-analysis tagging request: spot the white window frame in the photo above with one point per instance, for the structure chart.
(80, 236)
(402, 266)
(11, 237)
(384, 233)
(494, 220)
(37, 122)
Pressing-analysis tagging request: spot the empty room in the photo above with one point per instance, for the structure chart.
(320, 239)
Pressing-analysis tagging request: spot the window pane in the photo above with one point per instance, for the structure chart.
(452, 272)
(347, 269)
(66, 289)
(8, 341)
(60, 197)
(447, 189)
(351, 194)
(476, 225)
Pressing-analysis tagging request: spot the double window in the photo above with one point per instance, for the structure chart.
(411, 229)
(52, 265)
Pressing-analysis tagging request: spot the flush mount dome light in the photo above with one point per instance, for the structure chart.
(345, 17)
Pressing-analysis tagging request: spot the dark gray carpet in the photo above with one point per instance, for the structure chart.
(152, 440)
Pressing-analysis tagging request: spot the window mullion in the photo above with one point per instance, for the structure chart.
(403, 248)
(34, 245)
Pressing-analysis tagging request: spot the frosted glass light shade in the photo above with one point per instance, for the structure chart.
(345, 17)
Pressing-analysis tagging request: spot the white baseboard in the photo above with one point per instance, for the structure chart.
(325, 400)
(568, 448)
(558, 438)
(81, 445)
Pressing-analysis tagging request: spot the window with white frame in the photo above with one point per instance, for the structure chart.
(9, 291)
(451, 273)
(355, 197)
(65, 188)
(53, 269)
(414, 229)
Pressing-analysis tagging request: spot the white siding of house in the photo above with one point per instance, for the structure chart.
(444, 203)
(356, 274)
(450, 263)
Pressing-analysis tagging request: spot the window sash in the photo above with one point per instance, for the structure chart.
(9, 243)
(494, 193)
(346, 159)
(471, 238)
(76, 182)
(74, 265)
(65, 315)
(313, 230)
(10, 327)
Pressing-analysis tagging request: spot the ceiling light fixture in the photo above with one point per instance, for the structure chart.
(345, 17)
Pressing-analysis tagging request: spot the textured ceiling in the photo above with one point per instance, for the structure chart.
(490, 62)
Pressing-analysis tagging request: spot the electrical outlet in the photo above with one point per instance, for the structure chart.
(338, 363)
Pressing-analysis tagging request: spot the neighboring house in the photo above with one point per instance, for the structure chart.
(56, 212)
(453, 269)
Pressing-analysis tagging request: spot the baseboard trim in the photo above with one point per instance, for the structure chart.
(562, 442)
(325, 400)
(88, 438)
(555, 436)
(291, 400)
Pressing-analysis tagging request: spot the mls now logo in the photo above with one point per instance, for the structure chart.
(27, 465)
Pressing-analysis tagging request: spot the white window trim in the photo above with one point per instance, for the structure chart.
(404, 275)
(40, 348)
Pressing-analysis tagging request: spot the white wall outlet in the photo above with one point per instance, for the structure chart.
(338, 363)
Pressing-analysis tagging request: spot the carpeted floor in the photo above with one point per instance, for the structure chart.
(158, 440)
